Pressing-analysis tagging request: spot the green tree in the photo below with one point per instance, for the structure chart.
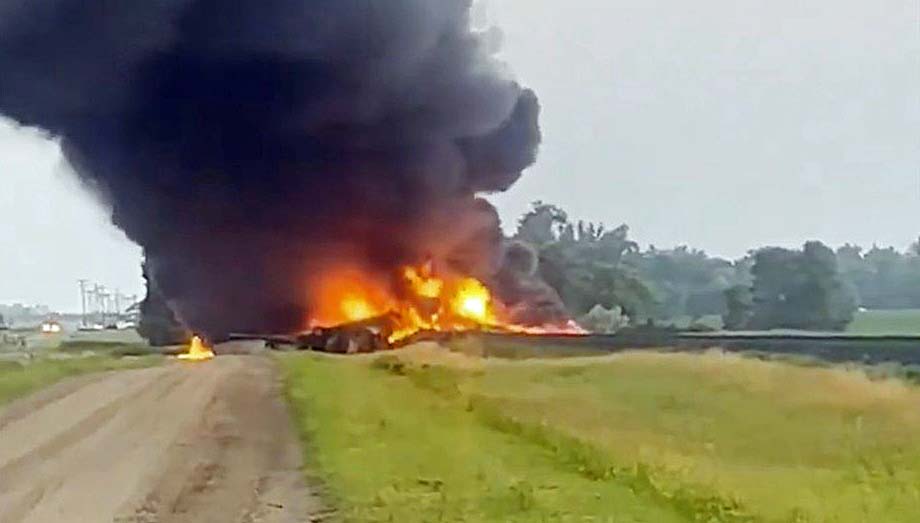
(882, 277)
(739, 307)
(800, 290)
(914, 249)
(685, 281)
(583, 262)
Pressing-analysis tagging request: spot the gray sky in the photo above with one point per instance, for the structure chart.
(52, 232)
(723, 124)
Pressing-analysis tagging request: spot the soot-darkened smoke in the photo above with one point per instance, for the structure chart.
(247, 145)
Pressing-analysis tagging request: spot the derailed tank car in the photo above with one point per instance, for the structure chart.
(350, 338)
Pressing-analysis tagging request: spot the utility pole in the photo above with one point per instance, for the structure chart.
(100, 298)
(135, 311)
(83, 301)
(90, 296)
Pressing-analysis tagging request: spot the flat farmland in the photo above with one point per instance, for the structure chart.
(425, 434)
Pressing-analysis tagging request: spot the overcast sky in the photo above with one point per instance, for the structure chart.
(722, 124)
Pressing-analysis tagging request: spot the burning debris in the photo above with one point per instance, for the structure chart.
(197, 351)
(419, 301)
(329, 147)
(360, 316)
(416, 301)
(370, 335)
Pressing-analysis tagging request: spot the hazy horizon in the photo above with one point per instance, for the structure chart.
(718, 125)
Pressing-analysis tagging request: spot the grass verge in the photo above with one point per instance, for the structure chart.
(20, 377)
(423, 435)
(108, 348)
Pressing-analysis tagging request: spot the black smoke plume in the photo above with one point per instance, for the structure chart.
(248, 144)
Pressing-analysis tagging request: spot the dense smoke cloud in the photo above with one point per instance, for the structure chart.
(246, 145)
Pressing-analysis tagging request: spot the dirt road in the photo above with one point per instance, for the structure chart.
(199, 443)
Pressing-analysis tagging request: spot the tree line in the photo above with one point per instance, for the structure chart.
(607, 281)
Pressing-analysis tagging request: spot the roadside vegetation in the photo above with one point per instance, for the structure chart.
(427, 435)
(21, 375)
(106, 348)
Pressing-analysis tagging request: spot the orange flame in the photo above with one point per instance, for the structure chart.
(426, 302)
(347, 295)
(421, 281)
(441, 304)
(197, 351)
(473, 301)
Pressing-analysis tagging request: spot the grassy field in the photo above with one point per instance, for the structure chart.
(21, 376)
(905, 321)
(427, 435)
(37, 342)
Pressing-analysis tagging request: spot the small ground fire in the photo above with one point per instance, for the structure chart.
(197, 351)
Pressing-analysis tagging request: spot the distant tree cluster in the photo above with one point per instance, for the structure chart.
(792, 289)
(883, 278)
(596, 269)
(686, 282)
(583, 262)
(607, 281)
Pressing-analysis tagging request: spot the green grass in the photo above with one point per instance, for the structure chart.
(424, 435)
(110, 348)
(392, 450)
(20, 377)
(906, 322)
